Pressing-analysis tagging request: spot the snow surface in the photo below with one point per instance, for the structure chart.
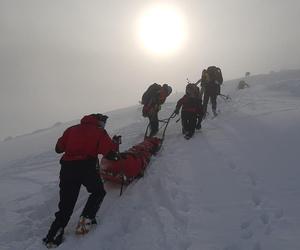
(234, 186)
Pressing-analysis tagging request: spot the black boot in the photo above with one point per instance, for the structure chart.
(198, 124)
(189, 135)
(94, 221)
(54, 237)
(215, 112)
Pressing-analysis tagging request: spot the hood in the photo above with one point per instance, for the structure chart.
(89, 119)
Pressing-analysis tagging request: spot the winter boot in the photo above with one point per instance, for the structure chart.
(84, 225)
(215, 112)
(94, 221)
(198, 125)
(54, 240)
(188, 135)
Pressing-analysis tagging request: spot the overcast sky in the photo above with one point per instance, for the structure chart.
(61, 59)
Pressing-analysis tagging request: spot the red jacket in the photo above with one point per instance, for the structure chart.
(189, 104)
(84, 141)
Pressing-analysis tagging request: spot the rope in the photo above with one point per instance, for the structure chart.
(164, 126)
(173, 115)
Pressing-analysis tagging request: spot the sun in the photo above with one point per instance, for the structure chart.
(161, 29)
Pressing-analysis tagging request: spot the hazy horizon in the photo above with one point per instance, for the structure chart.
(63, 59)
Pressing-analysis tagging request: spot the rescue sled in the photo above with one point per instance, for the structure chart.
(132, 163)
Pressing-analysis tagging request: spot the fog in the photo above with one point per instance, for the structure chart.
(61, 59)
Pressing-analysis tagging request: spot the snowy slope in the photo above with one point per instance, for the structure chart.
(234, 186)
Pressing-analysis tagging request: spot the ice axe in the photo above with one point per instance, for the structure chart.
(188, 81)
(226, 97)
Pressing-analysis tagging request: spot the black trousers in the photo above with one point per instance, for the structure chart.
(73, 174)
(188, 121)
(153, 119)
(212, 96)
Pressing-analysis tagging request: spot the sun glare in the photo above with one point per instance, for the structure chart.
(161, 29)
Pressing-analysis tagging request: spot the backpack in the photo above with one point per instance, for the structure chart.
(215, 74)
(151, 92)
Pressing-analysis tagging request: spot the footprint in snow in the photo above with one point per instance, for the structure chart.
(246, 234)
(245, 224)
(232, 165)
(253, 179)
(278, 214)
(265, 218)
(256, 199)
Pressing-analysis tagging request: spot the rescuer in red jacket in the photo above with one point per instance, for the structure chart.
(81, 145)
(191, 113)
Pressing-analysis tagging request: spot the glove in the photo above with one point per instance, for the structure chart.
(117, 139)
(112, 156)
